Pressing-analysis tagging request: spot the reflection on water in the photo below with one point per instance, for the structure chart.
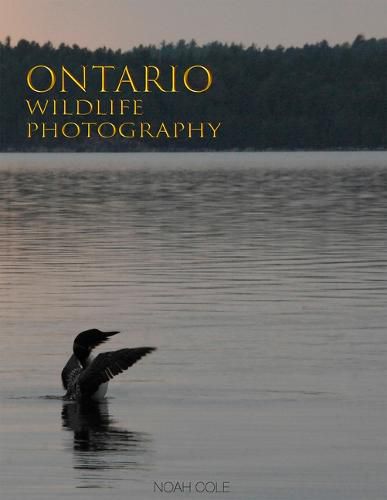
(98, 444)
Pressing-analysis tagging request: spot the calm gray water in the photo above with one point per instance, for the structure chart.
(261, 278)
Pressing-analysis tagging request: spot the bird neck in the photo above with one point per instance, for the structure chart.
(81, 353)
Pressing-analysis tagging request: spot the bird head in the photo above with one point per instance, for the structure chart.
(85, 342)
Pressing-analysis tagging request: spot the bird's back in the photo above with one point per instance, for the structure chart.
(71, 371)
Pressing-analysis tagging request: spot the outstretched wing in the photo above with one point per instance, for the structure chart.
(107, 365)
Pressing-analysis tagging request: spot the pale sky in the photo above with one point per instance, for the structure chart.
(126, 23)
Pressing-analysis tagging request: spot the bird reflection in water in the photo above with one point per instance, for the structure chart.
(100, 445)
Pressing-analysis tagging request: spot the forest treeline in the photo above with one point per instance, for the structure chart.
(315, 97)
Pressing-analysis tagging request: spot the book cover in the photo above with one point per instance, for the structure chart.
(192, 249)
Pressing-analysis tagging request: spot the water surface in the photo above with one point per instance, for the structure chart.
(261, 278)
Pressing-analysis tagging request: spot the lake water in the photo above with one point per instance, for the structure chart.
(262, 280)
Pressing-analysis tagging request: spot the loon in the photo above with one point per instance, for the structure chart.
(85, 377)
